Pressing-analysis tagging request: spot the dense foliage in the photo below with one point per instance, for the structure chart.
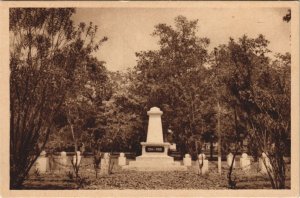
(47, 56)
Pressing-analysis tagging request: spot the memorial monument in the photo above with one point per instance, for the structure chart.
(155, 151)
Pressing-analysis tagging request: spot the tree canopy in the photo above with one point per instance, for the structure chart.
(47, 56)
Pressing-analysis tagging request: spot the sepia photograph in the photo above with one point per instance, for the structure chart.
(151, 98)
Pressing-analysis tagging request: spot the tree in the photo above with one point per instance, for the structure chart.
(118, 121)
(173, 77)
(76, 120)
(260, 91)
(46, 49)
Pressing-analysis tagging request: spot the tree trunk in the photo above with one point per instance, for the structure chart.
(211, 149)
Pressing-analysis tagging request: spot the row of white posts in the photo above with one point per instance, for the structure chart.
(202, 162)
(245, 162)
(264, 162)
(41, 163)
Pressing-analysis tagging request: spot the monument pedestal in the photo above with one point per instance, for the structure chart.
(154, 151)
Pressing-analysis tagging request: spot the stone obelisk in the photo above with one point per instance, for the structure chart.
(155, 132)
(155, 144)
(155, 151)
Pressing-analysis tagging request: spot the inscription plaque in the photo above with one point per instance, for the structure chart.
(157, 149)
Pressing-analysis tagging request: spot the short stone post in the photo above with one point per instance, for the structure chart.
(203, 164)
(78, 158)
(187, 161)
(264, 162)
(105, 164)
(122, 159)
(172, 147)
(245, 162)
(41, 163)
(63, 160)
(229, 160)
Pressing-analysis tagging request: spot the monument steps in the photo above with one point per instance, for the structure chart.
(153, 162)
(165, 167)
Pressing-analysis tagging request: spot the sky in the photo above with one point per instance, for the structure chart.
(129, 29)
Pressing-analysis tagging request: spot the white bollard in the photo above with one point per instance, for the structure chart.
(78, 158)
(245, 162)
(41, 163)
(203, 163)
(122, 159)
(105, 164)
(187, 161)
(264, 162)
(63, 160)
(229, 160)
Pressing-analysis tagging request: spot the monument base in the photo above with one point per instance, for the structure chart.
(155, 158)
